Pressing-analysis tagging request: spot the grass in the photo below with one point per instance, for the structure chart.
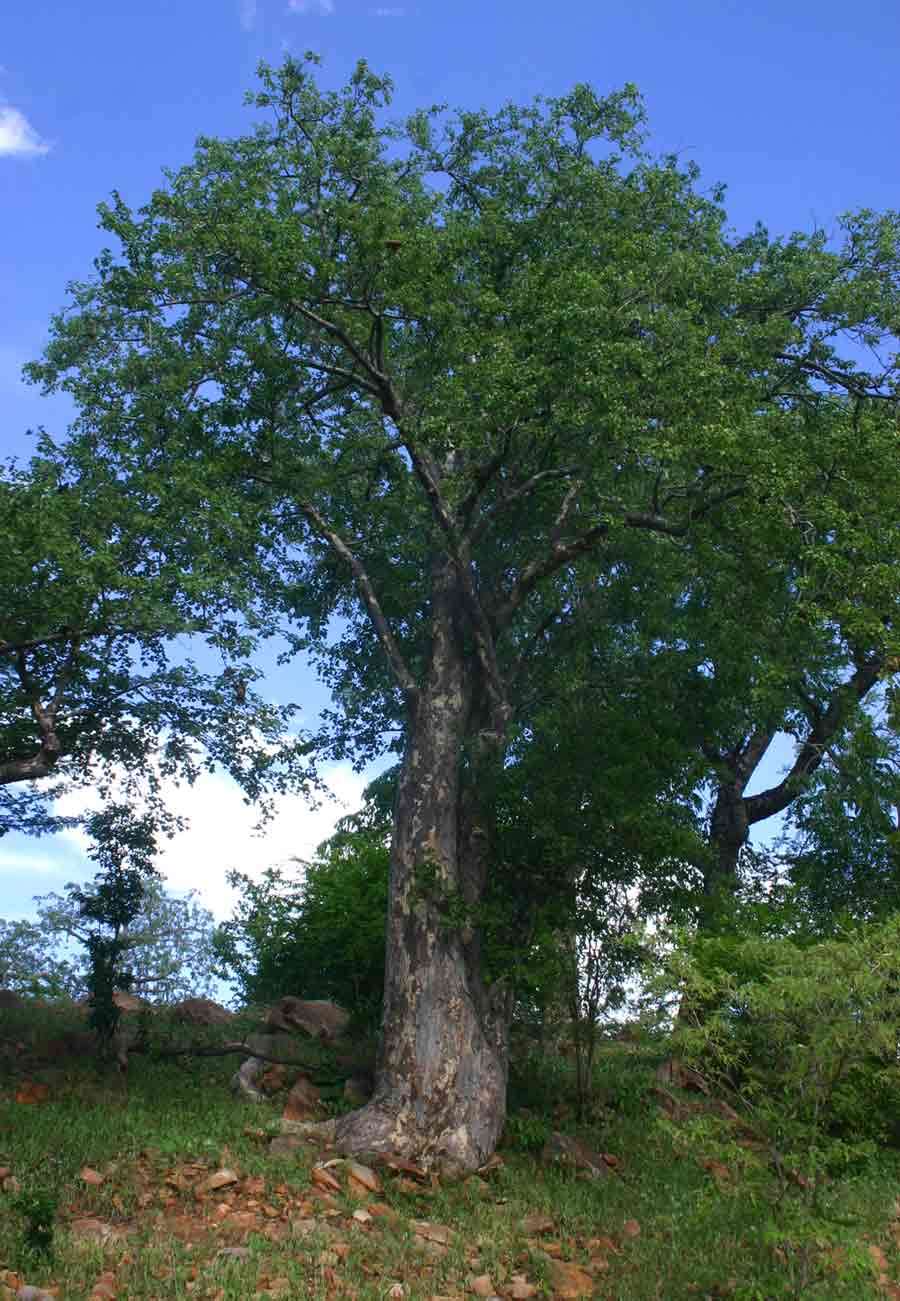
(659, 1226)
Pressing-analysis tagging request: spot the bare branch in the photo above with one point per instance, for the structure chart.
(388, 642)
(517, 494)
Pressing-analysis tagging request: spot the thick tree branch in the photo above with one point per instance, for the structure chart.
(560, 554)
(428, 474)
(814, 749)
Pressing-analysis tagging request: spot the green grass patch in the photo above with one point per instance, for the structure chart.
(683, 1212)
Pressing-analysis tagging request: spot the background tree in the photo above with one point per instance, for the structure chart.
(842, 845)
(30, 963)
(95, 688)
(167, 945)
(433, 373)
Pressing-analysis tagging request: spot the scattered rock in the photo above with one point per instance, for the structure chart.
(482, 1285)
(273, 1079)
(87, 1228)
(677, 1074)
(324, 1179)
(570, 1281)
(284, 1048)
(562, 1150)
(126, 1002)
(361, 1179)
(105, 1288)
(303, 1101)
(439, 1233)
(537, 1223)
(30, 1093)
(218, 1179)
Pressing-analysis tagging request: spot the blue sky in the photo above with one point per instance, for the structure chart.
(794, 105)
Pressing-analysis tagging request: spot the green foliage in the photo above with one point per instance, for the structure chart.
(29, 964)
(94, 690)
(38, 1209)
(803, 1035)
(168, 945)
(318, 933)
(124, 847)
(843, 844)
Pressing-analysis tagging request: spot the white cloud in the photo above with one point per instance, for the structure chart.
(221, 833)
(387, 11)
(324, 8)
(18, 137)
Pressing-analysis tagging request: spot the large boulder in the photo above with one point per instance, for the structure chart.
(201, 1011)
(316, 1017)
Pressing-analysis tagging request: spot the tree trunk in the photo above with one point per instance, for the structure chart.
(440, 1090)
(728, 830)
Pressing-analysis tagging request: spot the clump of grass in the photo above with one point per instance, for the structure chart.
(38, 1210)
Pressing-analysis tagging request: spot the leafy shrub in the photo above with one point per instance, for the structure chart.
(320, 934)
(805, 1036)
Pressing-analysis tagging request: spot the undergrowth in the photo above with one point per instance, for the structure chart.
(684, 1210)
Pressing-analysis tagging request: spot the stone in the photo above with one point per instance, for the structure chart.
(568, 1281)
(126, 1002)
(537, 1223)
(201, 1011)
(303, 1101)
(284, 1048)
(218, 1179)
(362, 1178)
(676, 1074)
(318, 1018)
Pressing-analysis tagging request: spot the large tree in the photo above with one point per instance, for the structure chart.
(445, 369)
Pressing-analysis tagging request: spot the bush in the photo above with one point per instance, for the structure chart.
(805, 1036)
(318, 935)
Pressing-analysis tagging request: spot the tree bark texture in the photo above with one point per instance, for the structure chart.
(440, 1089)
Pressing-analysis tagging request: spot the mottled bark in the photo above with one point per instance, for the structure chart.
(440, 1088)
